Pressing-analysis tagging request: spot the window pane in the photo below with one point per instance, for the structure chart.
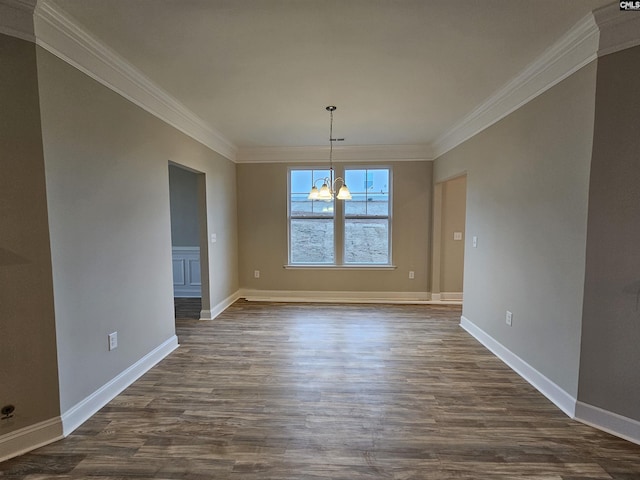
(312, 241)
(301, 182)
(369, 180)
(356, 180)
(378, 204)
(370, 192)
(367, 204)
(301, 207)
(366, 241)
(357, 205)
(380, 181)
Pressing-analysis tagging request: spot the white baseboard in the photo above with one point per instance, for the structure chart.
(29, 438)
(447, 296)
(82, 411)
(220, 307)
(618, 425)
(310, 296)
(548, 388)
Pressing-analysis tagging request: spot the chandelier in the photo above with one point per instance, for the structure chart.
(328, 189)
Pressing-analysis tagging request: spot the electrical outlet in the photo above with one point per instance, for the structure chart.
(113, 341)
(475, 241)
(509, 318)
(214, 238)
(256, 274)
(412, 274)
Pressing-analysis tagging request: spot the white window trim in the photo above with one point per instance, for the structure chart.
(389, 216)
(354, 266)
(339, 227)
(335, 246)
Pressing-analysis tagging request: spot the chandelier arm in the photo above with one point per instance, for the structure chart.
(322, 179)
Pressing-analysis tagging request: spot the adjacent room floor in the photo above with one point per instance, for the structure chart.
(323, 391)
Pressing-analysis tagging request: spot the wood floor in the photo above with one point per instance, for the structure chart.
(295, 391)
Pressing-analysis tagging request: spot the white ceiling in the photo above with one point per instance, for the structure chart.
(262, 71)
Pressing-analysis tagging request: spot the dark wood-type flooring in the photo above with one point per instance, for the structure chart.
(300, 391)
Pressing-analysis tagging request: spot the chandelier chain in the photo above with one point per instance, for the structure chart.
(331, 144)
(328, 190)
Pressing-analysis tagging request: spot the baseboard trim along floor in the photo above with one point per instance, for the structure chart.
(29, 438)
(424, 298)
(618, 425)
(220, 307)
(85, 409)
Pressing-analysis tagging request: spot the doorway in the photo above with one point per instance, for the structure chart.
(188, 229)
(449, 219)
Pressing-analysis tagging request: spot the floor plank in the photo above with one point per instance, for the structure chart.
(322, 391)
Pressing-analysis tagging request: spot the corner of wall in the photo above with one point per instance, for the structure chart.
(557, 395)
(29, 438)
(618, 425)
(217, 309)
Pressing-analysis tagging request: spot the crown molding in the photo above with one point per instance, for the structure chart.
(67, 39)
(355, 153)
(16, 18)
(606, 30)
(570, 53)
(618, 30)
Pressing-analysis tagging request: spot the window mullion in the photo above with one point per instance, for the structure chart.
(339, 223)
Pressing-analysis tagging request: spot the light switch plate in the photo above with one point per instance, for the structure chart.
(113, 341)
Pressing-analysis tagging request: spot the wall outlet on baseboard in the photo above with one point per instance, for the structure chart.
(412, 274)
(256, 274)
(113, 341)
(509, 318)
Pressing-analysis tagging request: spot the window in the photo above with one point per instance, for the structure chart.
(311, 222)
(366, 216)
(351, 232)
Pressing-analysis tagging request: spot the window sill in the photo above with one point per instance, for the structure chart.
(339, 267)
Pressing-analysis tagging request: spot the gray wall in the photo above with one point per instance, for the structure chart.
(108, 199)
(527, 189)
(454, 196)
(28, 373)
(609, 375)
(263, 234)
(183, 193)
